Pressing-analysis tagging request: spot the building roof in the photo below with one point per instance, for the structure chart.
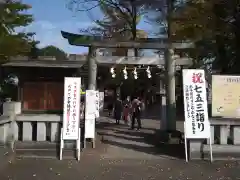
(45, 62)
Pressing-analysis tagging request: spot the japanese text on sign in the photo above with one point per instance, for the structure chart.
(97, 104)
(195, 104)
(226, 96)
(90, 114)
(71, 108)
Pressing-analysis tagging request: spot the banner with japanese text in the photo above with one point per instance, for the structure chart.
(97, 104)
(101, 101)
(197, 125)
(90, 113)
(90, 104)
(71, 111)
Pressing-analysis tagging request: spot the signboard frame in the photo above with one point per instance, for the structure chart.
(226, 96)
(195, 108)
(71, 114)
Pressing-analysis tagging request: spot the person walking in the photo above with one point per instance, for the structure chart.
(136, 113)
(126, 110)
(110, 108)
(118, 110)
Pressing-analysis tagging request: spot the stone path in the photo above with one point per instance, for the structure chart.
(124, 143)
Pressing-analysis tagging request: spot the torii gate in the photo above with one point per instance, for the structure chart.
(94, 42)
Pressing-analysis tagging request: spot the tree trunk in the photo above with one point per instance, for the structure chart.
(134, 26)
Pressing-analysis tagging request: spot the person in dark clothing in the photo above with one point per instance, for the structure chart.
(110, 108)
(118, 110)
(136, 113)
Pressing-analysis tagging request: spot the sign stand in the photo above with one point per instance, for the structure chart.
(78, 145)
(93, 143)
(186, 146)
(196, 125)
(92, 140)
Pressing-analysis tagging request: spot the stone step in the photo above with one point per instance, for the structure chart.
(51, 145)
(220, 152)
(47, 150)
(44, 154)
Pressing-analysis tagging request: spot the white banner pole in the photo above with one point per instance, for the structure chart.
(210, 146)
(61, 145)
(79, 145)
(185, 142)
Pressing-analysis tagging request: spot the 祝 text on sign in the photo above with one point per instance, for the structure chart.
(71, 112)
(226, 96)
(195, 104)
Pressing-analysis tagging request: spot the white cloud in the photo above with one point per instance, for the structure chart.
(46, 25)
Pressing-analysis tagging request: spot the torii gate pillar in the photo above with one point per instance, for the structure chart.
(92, 69)
(170, 87)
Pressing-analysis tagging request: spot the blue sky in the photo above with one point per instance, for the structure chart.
(52, 16)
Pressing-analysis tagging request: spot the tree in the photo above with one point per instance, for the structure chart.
(34, 51)
(119, 22)
(118, 25)
(14, 43)
(214, 27)
(120, 19)
(53, 51)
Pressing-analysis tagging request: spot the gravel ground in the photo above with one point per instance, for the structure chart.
(92, 168)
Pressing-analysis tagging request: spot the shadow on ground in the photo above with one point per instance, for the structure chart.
(130, 139)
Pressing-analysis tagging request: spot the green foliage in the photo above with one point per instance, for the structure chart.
(12, 16)
(213, 26)
(53, 51)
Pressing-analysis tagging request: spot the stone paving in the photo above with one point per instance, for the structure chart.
(122, 154)
(124, 143)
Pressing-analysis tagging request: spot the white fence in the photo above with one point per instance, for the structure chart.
(30, 128)
(225, 141)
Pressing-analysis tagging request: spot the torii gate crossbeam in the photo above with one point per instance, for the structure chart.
(94, 42)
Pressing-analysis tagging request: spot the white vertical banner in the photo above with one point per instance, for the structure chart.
(90, 113)
(97, 104)
(196, 125)
(71, 111)
(195, 104)
(101, 101)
